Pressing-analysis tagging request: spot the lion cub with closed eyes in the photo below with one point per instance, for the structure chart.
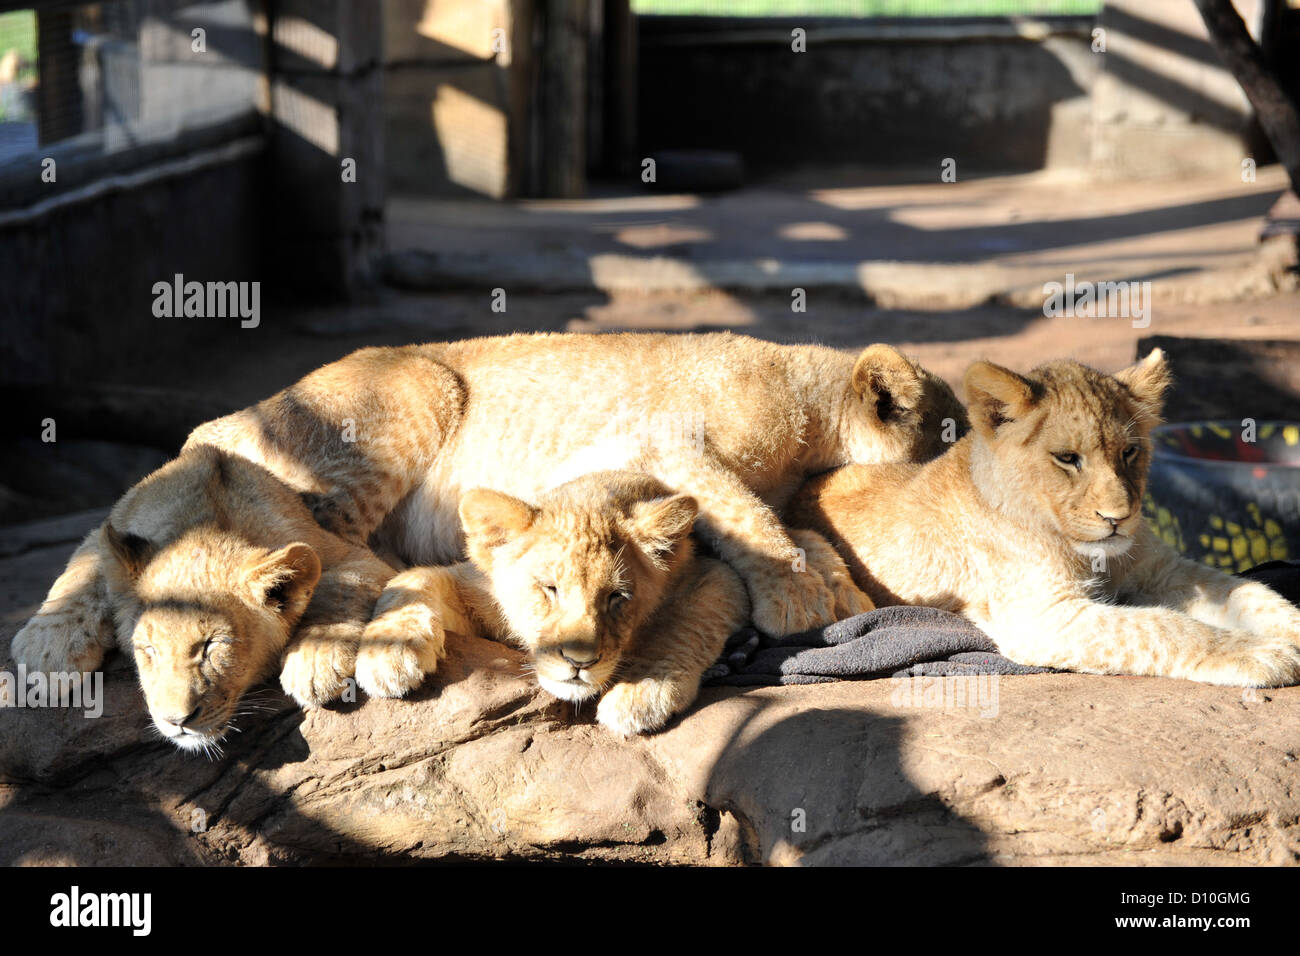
(599, 581)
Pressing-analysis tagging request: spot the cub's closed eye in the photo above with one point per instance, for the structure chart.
(1131, 452)
(618, 599)
(1068, 458)
(550, 589)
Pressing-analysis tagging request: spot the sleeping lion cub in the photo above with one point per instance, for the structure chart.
(223, 579)
(1030, 526)
(599, 581)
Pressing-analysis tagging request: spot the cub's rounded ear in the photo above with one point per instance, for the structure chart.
(131, 550)
(659, 525)
(285, 580)
(887, 381)
(491, 518)
(1148, 380)
(996, 395)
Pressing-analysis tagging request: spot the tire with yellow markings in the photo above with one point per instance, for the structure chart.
(1227, 493)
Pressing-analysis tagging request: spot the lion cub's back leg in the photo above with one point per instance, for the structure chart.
(661, 677)
(354, 437)
(374, 421)
(822, 559)
(750, 537)
(74, 627)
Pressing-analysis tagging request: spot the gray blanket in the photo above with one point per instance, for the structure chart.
(902, 641)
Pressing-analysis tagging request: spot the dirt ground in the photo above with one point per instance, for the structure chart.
(952, 272)
(945, 341)
(949, 272)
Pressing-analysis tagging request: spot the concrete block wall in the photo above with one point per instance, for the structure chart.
(325, 96)
(450, 117)
(989, 93)
(76, 282)
(1163, 104)
(1140, 92)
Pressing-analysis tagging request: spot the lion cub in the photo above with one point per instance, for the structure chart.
(220, 578)
(599, 581)
(1031, 527)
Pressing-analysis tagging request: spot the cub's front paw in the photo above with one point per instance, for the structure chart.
(850, 600)
(398, 649)
(638, 707)
(1251, 660)
(71, 640)
(317, 665)
(787, 601)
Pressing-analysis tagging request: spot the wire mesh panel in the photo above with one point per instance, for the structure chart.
(865, 8)
(105, 77)
(17, 82)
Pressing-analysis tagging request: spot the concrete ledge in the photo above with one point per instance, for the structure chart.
(50, 533)
(670, 31)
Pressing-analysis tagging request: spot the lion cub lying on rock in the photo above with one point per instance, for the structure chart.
(223, 579)
(599, 581)
(1031, 527)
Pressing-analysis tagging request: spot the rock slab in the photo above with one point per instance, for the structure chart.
(480, 765)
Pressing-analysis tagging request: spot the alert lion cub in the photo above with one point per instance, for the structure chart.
(599, 581)
(1030, 526)
(382, 443)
